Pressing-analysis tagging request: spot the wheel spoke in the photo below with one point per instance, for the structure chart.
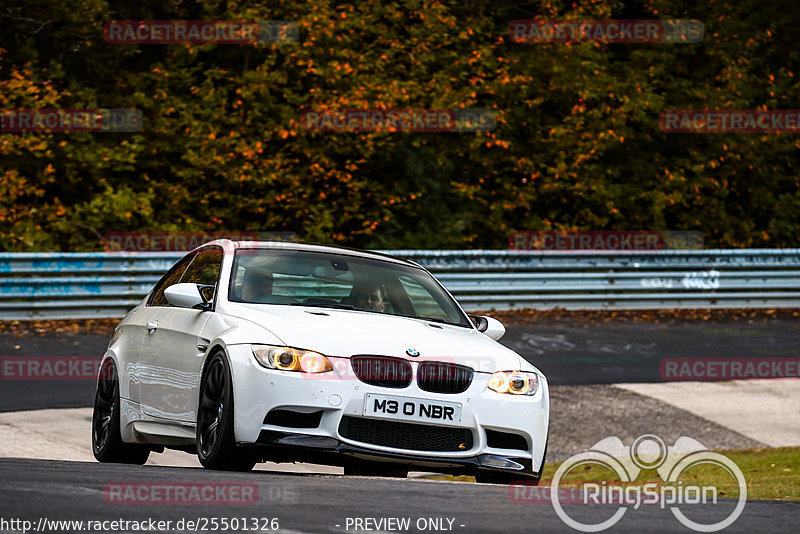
(207, 440)
(213, 381)
(207, 403)
(213, 426)
(105, 422)
(104, 389)
(209, 389)
(204, 421)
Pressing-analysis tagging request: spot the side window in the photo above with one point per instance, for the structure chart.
(205, 267)
(173, 276)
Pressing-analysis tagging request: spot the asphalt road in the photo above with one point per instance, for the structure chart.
(308, 503)
(568, 352)
(579, 360)
(18, 395)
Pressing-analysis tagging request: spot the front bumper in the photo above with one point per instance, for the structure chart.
(289, 447)
(329, 397)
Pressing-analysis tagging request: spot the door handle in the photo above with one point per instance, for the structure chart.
(152, 327)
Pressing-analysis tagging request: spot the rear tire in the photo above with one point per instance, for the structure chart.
(216, 444)
(107, 444)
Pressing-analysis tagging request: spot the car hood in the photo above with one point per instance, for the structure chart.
(348, 332)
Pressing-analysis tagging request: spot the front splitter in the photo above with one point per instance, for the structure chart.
(276, 446)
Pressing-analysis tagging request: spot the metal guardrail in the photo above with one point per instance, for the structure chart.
(81, 285)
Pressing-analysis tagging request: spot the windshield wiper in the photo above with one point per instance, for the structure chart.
(436, 320)
(333, 306)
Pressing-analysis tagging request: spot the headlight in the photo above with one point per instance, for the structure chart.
(514, 382)
(289, 359)
(115, 336)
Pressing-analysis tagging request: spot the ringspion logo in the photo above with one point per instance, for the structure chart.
(649, 452)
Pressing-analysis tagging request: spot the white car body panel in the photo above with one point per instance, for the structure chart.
(170, 364)
(160, 371)
(349, 332)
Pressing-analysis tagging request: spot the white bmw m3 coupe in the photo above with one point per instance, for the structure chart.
(286, 352)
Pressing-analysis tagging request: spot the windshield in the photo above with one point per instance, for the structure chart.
(323, 280)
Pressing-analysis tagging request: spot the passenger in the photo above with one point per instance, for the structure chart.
(256, 287)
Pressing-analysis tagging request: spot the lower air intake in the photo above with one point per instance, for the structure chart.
(407, 436)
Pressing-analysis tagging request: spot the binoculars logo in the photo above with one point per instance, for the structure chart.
(648, 452)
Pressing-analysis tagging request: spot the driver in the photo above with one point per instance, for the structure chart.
(256, 287)
(370, 297)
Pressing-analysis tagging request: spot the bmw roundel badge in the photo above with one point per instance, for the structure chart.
(412, 352)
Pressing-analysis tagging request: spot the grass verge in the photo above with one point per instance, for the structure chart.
(771, 474)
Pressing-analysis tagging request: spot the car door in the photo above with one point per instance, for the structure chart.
(136, 328)
(173, 349)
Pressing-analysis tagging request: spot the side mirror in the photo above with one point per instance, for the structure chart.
(489, 326)
(187, 296)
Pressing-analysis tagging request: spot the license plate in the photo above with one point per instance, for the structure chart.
(411, 409)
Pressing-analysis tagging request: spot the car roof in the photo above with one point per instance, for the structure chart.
(310, 247)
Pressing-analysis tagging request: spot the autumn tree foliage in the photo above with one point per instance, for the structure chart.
(577, 143)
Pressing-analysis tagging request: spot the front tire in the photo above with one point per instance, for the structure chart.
(216, 444)
(107, 444)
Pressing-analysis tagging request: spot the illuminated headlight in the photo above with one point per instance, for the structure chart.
(514, 382)
(289, 359)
